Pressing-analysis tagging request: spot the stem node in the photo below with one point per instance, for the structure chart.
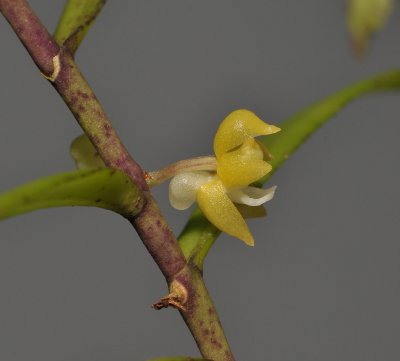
(176, 298)
(56, 69)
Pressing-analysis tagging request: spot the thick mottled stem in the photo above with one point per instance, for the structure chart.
(201, 317)
(57, 65)
(149, 224)
(32, 33)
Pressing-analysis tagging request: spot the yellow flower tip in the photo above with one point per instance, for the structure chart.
(272, 129)
(238, 126)
(250, 242)
(221, 212)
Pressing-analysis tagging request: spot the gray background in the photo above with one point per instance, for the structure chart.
(323, 281)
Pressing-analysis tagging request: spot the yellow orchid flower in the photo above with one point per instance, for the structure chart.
(240, 162)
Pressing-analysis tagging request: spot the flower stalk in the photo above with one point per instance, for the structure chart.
(206, 163)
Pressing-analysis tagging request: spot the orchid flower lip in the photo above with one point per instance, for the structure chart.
(251, 196)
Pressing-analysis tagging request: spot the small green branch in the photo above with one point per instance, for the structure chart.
(103, 188)
(298, 128)
(76, 20)
(197, 238)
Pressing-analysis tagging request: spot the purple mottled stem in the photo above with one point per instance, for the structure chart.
(57, 65)
(201, 317)
(31, 32)
(82, 102)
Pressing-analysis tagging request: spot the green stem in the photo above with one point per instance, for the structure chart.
(298, 128)
(197, 238)
(104, 188)
(75, 21)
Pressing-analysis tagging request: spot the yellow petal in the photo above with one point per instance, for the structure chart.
(238, 126)
(243, 166)
(221, 212)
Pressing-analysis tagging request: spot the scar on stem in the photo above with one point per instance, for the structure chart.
(56, 69)
(176, 298)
